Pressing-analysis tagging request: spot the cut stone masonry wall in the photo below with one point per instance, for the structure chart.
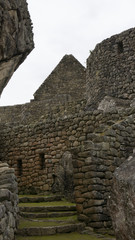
(98, 143)
(96, 164)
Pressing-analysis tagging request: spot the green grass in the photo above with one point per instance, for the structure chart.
(73, 212)
(66, 236)
(69, 218)
(59, 219)
(46, 222)
(47, 204)
(29, 224)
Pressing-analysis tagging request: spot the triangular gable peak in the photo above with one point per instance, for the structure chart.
(67, 81)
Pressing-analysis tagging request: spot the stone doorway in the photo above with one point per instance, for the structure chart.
(63, 177)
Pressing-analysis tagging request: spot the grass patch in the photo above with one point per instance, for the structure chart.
(29, 224)
(69, 218)
(46, 204)
(66, 236)
(50, 213)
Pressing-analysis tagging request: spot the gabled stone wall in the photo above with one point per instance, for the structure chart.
(62, 84)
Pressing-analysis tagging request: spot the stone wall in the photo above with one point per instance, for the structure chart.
(95, 167)
(111, 70)
(97, 142)
(44, 139)
(62, 84)
(39, 110)
(8, 203)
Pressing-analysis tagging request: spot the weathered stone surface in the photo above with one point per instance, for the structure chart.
(62, 83)
(110, 72)
(8, 203)
(122, 201)
(37, 231)
(16, 38)
(107, 104)
(36, 135)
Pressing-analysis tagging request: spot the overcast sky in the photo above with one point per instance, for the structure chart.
(65, 27)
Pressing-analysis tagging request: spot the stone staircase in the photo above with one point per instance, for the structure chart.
(43, 216)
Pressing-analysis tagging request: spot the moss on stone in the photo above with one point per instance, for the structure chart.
(60, 219)
(29, 224)
(47, 204)
(66, 236)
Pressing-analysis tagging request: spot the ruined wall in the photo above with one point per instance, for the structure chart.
(37, 136)
(111, 70)
(8, 203)
(16, 38)
(98, 142)
(39, 110)
(59, 95)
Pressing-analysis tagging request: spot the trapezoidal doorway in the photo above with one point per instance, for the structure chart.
(63, 177)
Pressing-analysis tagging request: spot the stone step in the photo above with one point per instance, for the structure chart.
(47, 214)
(45, 222)
(47, 208)
(68, 236)
(42, 231)
(37, 199)
(43, 216)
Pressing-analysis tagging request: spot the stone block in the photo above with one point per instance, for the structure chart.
(5, 195)
(121, 203)
(79, 208)
(2, 210)
(93, 210)
(3, 225)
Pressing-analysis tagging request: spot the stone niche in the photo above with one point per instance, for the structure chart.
(63, 177)
(16, 37)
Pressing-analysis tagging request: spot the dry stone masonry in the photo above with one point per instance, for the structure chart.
(71, 140)
(111, 71)
(62, 84)
(8, 203)
(16, 42)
